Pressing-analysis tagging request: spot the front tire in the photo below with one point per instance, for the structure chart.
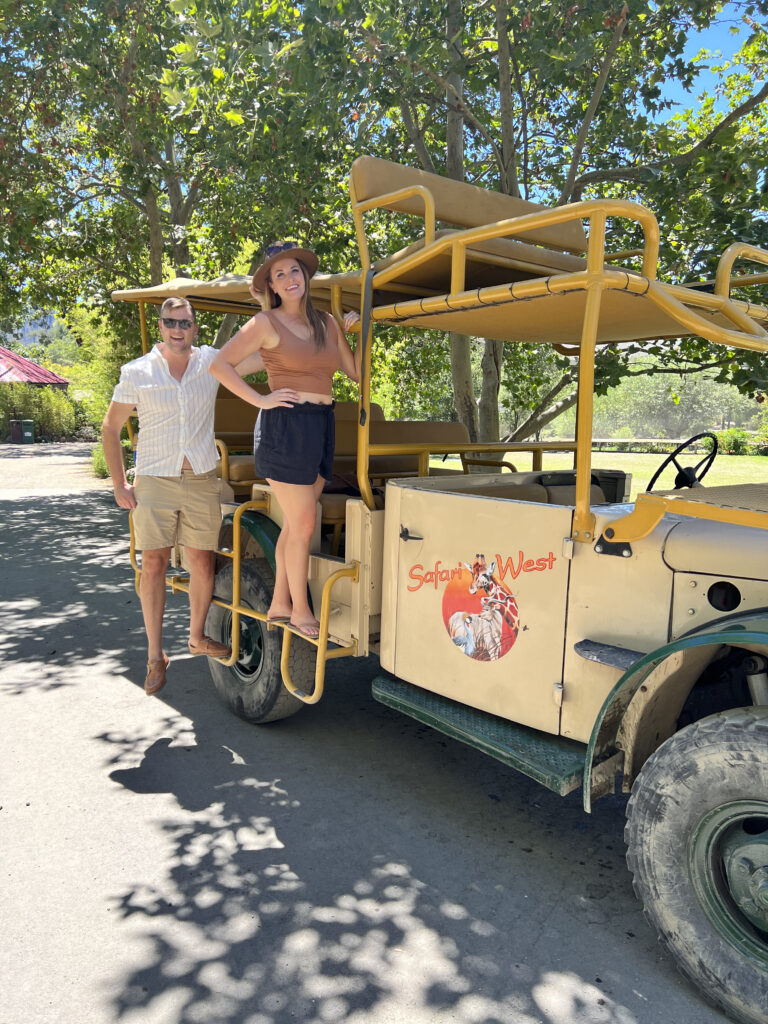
(697, 845)
(253, 687)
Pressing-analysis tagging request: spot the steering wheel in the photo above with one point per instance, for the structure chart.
(687, 476)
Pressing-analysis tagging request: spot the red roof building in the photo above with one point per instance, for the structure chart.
(16, 369)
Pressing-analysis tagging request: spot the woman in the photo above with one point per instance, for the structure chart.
(294, 436)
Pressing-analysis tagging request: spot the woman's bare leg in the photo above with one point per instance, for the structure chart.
(299, 505)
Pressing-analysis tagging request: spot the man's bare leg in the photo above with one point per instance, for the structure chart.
(154, 564)
(200, 564)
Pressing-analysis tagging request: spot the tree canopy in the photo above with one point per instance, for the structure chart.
(144, 139)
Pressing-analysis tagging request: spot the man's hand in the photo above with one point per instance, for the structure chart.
(124, 495)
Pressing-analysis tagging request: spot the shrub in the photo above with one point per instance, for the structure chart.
(733, 441)
(99, 463)
(55, 415)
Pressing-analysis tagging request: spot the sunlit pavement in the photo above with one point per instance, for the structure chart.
(164, 862)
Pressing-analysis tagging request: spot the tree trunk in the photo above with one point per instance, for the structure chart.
(461, 362)
(489, 395)
(155, 236)
(226, 327)
(508, 170)
(180, 211)
(463, 392)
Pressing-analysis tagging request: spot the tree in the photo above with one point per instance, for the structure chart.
(124, 159)
(148, 138)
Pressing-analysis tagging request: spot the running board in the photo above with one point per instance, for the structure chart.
(621, 658)
(552, 761)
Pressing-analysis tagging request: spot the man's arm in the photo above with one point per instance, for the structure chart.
(251, 364)
(114, 421)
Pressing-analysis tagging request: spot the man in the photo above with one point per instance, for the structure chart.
(176, 496)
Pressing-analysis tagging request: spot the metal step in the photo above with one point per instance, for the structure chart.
(552, 761)
(607, 654)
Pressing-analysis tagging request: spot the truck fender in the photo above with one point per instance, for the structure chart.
(259, 526)
(641, 710)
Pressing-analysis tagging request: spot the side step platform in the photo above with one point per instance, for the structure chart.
(552, 761)
(621, 658)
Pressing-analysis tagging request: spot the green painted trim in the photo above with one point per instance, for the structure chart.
(262, 529)
(742, 627)
(554, 762)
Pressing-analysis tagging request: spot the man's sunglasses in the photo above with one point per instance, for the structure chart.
(183, 325)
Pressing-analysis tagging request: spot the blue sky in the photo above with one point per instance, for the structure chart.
(716, 37)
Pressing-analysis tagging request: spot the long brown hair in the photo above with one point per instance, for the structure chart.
(315, 320)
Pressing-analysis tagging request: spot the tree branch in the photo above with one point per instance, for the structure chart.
(629, 173)
(589, 116)
(417, 138)
(462, 107)
(540, 418)
(679, 370)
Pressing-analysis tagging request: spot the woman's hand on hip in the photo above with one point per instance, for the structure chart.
(283, 398)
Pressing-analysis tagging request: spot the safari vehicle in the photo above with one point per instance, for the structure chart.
(537, 614)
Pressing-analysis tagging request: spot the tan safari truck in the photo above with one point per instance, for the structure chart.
(532, 613)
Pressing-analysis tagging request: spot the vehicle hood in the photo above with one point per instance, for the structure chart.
(717, 549)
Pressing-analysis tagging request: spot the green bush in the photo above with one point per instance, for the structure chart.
(733, 441)
(55, 415)
(99, 463)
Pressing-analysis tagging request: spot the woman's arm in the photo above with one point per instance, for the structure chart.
(239, 356)
(350, 361)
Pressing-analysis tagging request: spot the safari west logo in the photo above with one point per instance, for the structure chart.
(480, 612)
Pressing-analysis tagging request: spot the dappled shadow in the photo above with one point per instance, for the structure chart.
(347, 864)
(68, 600)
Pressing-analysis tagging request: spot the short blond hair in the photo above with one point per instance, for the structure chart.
(175, 302)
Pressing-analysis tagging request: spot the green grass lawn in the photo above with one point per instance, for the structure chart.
(727, 469)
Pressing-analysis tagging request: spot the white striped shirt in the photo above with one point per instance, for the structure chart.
(175, 417)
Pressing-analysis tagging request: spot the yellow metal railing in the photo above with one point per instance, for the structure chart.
(352, 572)
(739, 250)
(677, 302)
(180, 584)
(650, 509)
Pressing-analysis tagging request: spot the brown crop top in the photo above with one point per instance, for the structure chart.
(296, 363)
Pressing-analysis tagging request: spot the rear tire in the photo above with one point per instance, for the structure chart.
(697, 845)
(253, 687)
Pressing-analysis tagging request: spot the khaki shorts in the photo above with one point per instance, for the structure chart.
(174, 510)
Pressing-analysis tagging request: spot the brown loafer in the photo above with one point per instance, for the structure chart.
(156, 670)
(211, 648)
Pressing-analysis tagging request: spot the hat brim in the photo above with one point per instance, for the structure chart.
(305, 256)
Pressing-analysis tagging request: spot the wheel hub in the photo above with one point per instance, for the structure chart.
(745, 860)
(728, 857)
(251, 650)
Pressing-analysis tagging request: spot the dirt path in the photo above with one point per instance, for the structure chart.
(47, 469)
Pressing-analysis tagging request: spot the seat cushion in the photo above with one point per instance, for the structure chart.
(240, 468)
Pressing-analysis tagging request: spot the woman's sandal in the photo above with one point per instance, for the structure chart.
(311, 630)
